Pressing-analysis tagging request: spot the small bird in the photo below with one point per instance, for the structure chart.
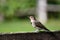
(36, 24)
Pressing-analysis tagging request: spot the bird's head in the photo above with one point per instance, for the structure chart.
(32, 18)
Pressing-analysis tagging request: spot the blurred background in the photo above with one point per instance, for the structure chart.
(14, 14)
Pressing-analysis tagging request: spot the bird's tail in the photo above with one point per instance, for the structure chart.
(52, 34)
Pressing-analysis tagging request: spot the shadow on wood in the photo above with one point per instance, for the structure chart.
(30, 36)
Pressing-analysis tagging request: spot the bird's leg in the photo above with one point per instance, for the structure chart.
(37, 30)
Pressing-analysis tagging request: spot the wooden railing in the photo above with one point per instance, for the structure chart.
(29, 36)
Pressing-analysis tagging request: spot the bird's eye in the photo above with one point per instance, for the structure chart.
(31, 17)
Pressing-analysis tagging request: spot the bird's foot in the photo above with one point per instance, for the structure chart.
(36, 31)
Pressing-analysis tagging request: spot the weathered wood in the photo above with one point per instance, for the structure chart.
(42, 11)
(53, 8)
(30, 36)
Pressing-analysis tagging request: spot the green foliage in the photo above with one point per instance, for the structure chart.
(53, 1)
(11, 5)
(58, 1)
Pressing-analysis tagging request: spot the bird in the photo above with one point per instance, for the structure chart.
(37, 24)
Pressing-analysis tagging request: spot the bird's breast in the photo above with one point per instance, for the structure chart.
(33, 24)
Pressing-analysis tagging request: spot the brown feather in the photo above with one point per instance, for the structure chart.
(38, 24)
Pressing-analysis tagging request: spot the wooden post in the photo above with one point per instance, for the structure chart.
(41, 11)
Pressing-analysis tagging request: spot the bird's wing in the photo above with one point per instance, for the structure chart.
(38, 24)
